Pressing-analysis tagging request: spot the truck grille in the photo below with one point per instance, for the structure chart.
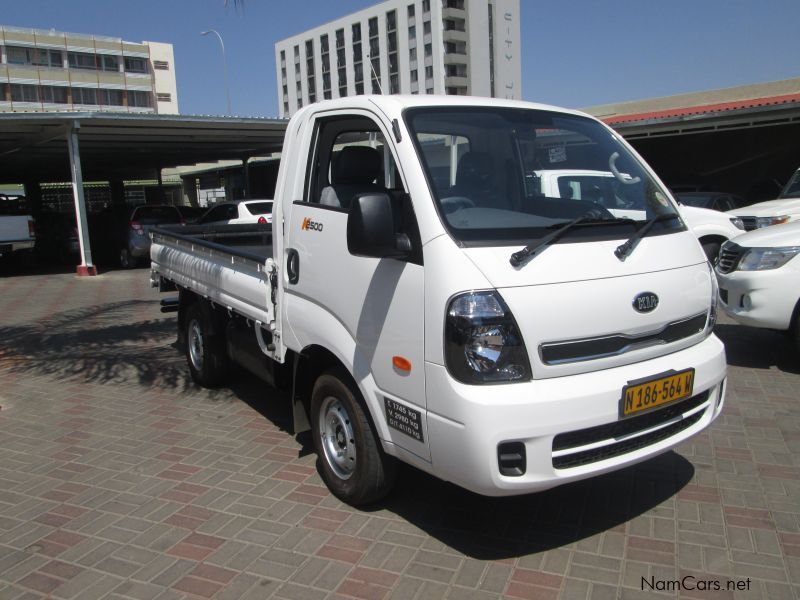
(555, 353)
(729, 257)
(625, 429)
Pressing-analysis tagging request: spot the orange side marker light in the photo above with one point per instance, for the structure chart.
(401, 364)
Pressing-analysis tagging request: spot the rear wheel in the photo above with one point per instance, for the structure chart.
(126, 261)
(205, 352)
(349, 455)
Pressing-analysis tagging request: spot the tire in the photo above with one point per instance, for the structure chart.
(126, 261)
(205, 352)
(349, 455)
(712, 251)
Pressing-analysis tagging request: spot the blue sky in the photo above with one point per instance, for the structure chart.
(574, 53)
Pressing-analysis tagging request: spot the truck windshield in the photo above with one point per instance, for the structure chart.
(504, 175)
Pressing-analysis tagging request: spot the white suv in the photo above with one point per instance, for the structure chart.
(759, 278)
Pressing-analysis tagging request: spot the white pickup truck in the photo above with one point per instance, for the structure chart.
(17, 229)
(427, 303)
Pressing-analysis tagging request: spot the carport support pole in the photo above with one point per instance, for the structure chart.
(246, 173)
(86, 267)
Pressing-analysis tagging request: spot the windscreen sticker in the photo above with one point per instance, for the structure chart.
(558, 153)
(404, 419)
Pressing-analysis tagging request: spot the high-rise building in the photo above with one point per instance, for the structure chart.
(48, 70)
(462, 47)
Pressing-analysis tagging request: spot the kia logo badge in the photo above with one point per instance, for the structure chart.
(645, 302)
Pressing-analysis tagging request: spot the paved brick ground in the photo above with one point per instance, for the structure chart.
(119, 478)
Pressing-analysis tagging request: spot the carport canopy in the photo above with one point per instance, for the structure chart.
(56, 147)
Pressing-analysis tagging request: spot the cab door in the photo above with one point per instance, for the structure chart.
(367, 310)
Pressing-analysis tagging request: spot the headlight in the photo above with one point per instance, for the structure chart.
(482, 341)
(737, 222)
(764, 259)
(767, 221)
(712, 310)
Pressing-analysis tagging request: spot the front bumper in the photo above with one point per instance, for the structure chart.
(760, 298)
(470, 422)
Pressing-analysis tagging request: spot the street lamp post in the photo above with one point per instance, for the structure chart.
(224, 65)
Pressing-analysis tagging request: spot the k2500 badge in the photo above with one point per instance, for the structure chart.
(309, 225)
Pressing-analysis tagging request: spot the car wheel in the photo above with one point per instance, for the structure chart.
(712, 251)
(349, 455)
(126, 261)
(205, 351)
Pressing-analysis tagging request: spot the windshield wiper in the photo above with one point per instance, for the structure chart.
(624, 250)
(518, 257)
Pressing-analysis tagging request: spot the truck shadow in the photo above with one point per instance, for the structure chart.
(106, 343)
(757, 348)
(498, 528)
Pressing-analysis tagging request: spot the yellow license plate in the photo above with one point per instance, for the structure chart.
(643, 396)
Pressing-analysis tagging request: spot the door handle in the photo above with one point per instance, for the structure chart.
(292, 265)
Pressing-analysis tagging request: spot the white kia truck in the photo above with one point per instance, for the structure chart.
(427, 303)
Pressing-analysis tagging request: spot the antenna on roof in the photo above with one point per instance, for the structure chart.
(375, 74)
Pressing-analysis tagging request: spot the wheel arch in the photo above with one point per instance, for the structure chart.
(309, 364)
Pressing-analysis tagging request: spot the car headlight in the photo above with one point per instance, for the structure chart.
(712, 309)
(482, 341)
(738, 223)
(767, 221)
(764, 259)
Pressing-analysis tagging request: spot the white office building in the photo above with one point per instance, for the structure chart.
(462, 47)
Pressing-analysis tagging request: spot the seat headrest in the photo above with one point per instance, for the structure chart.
(356, 164)
(474, 168)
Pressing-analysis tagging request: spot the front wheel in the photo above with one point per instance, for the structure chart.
(349, 455)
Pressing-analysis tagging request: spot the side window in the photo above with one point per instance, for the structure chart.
(218, 213)
(724, 203)
(351, 157)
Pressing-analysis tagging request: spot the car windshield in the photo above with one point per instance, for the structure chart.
(792, 189)
(259, 208)
(507, 175)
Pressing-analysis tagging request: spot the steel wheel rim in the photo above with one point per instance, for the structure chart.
(338, 437)
(196, 345)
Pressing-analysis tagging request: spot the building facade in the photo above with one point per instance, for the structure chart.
(461, 47)
(48, 70)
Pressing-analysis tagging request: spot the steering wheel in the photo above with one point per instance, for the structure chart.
(598, 211)
(452, 204)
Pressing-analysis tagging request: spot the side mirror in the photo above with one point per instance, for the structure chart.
(371, 229)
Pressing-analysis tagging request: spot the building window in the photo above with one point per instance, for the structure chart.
(82, 60)
(412, 54)
(140, 99)
(358, 65)
(426, 27)
(491, 50)
(341, 62)
(310, 73)
(164, 97)
(429, 90)
(374, 55)
(426, 6)
(52, 94)
(414, 76)
(139, 65)
(34, 56)
(115, 97)
(24, 93)
(160, 65)
(373, 27)
(84, 96)
(428, 49)
(412, 32)
(326, 67)
(428, 72)
(411, 11)
(108, 62)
